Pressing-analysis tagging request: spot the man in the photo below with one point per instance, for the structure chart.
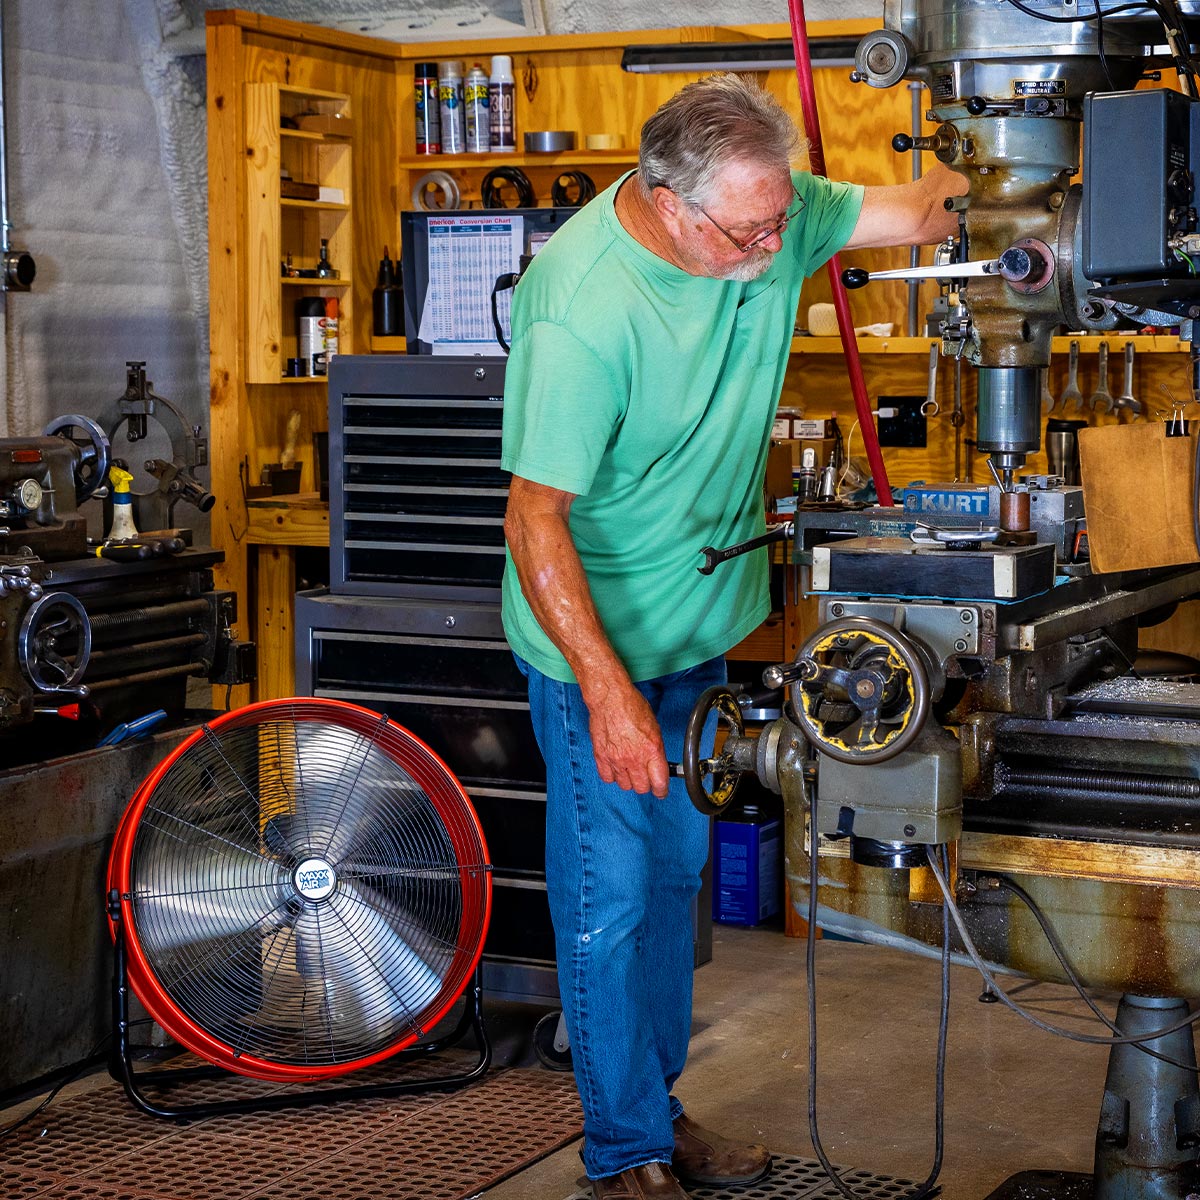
(649, 343)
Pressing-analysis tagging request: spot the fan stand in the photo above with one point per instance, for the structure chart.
(120, 1065)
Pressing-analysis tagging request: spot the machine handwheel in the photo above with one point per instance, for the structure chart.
(712, 798)
(94, 450)
(55, 642)
(864, 694)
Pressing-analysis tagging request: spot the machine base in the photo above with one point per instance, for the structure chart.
(1045, 1185)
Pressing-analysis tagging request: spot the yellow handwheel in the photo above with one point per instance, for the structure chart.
(863, 694)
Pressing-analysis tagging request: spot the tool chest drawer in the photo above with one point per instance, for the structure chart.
(417, 496)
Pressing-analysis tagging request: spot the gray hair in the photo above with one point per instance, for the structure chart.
(707, 125)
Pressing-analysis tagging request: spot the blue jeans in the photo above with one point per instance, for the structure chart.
(622, 869)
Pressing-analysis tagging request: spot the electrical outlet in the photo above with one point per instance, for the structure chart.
(907, 427)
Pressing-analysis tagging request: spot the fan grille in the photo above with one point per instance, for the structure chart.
(305, 889)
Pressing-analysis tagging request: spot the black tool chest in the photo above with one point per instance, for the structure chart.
(410, 624)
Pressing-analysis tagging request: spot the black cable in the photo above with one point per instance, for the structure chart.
(929, 1187)
(502, 284)
(1060, 953)
(491, 190)
(1112, 12)
(584, 190)
(1009, 1002)
(1100, 46)
(89, 1060)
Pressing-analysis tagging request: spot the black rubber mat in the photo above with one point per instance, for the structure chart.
(799, 1179)
(433, 1146)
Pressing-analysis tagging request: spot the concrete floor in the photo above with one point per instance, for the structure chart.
(1016, 1098)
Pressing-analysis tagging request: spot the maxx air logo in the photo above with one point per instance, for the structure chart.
(314, 879)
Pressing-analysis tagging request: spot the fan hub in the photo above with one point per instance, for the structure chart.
(314, 879)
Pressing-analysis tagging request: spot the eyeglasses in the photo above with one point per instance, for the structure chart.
(770, 231)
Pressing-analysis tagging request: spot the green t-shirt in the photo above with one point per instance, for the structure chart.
(649, 394)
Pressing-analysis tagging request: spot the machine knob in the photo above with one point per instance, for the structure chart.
(781, 674)
(1015, 264)
(977, 106)
(902, 143)
(855, 277)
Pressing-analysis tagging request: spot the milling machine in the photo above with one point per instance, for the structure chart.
(974, 683)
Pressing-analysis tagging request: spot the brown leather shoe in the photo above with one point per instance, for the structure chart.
(654, 1181)
(702, 1156)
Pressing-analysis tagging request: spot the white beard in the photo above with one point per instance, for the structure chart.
(750, 268)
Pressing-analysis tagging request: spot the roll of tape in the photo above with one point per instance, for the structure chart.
(436, 191)
(604, 141)
(549, 141)
(822, 320)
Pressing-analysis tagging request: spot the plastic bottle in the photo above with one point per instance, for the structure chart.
(385, 300)
(475, 111)
(450, 94)
(122, 498)
(330, 330)
(501, 101)
(429, 117)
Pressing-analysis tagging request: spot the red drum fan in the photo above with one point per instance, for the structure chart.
(300, 890)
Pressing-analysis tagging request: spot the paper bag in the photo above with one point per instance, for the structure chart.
(1137, 494)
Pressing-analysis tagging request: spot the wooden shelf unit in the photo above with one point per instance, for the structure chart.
(280, 228)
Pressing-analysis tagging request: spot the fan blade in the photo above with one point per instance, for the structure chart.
(367, 957)
(189, 900)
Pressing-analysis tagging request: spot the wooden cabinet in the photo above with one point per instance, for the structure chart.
(293, 138)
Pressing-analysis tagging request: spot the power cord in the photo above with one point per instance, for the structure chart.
(502, 284)
(1001, 995)
(74, 1072)
(561, 191)
(929, 1187)
(1060, 953)
(491, 189)
(1169, 16)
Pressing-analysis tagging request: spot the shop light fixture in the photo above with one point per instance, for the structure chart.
(763, 55)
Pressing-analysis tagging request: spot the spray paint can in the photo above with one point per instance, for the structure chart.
(501, 99)
(330, 330)
(310, 334)
(429, 117)
(450, 93)
(475, 114)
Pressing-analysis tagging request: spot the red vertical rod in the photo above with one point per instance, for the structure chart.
(816, 158)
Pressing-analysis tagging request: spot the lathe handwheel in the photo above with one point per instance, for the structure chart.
(714, 800)
(865, 695)
(92, 468)
(54, 624)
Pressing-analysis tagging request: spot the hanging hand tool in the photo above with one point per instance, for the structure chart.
(1072, 397)
(1048, 399)
(1102, 399)
(958, 419)
(931, 408)
(1127, 399)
